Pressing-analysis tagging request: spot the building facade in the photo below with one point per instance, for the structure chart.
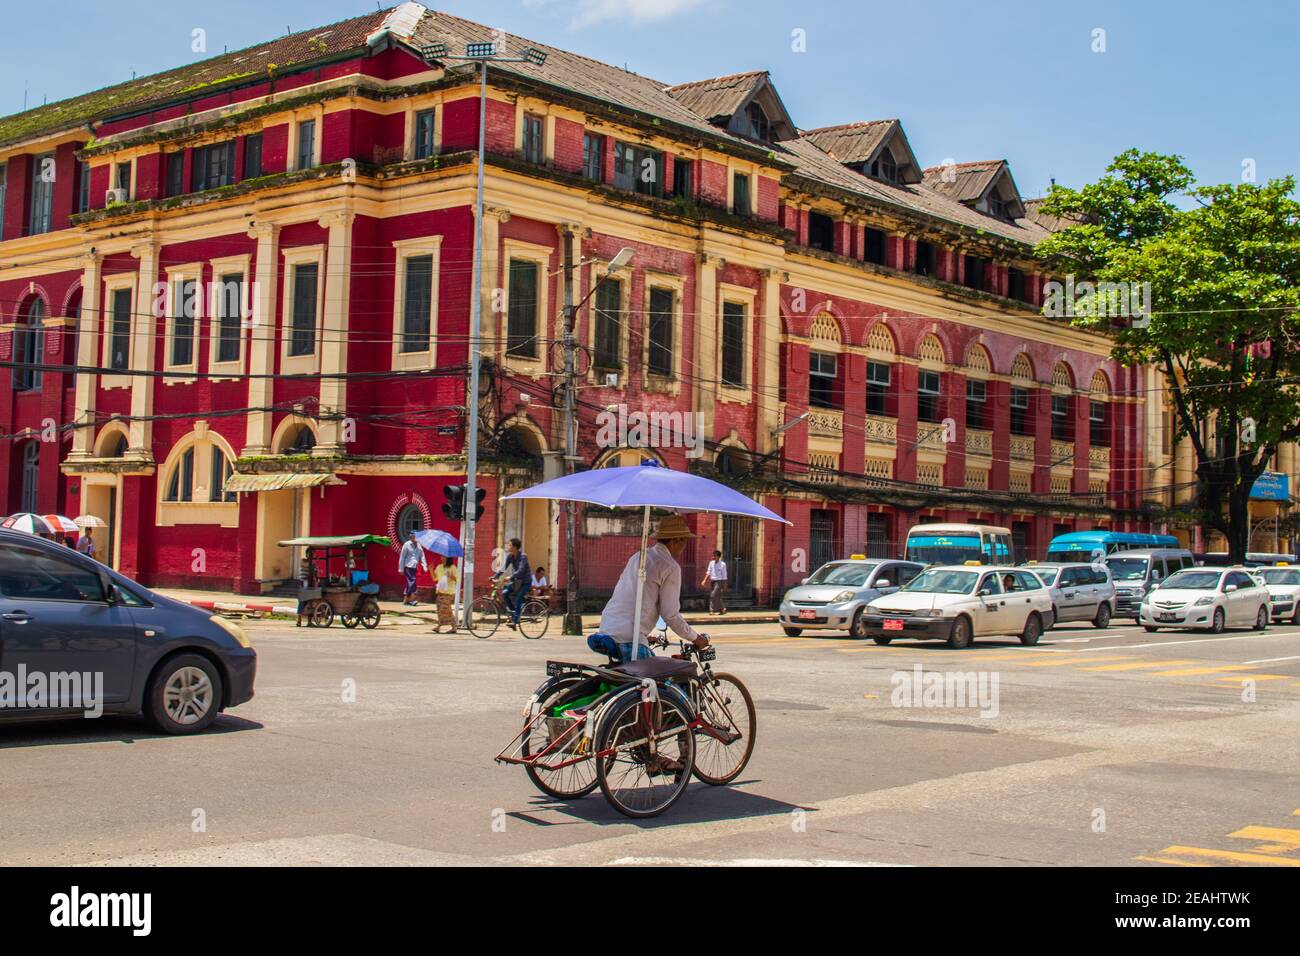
(236, 308)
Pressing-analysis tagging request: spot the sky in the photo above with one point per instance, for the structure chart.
(1055, 87)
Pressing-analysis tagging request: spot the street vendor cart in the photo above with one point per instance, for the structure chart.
(334, 579)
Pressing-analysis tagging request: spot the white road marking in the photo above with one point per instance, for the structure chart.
(1272, 660)
(1203, 640)
(690, 861)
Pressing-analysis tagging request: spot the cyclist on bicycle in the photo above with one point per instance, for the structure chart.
(518, 577)
(662, 596)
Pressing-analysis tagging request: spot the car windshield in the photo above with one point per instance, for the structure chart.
(1280, 576)
(1194, 580)
(943, 582)
(853, 575)
(1047, 575)
(1128, 569)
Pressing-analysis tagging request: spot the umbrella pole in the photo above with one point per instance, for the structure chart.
(640, 584)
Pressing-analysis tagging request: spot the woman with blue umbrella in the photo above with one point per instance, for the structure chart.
(446, 576)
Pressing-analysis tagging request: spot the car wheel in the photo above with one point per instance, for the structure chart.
(959, 635)
(792, 631)
(1149, 629)
(1032, 632)
(184, 695)
(1217, 626)
(857, 628)
(1103, 616)
(1056, 615)
(882, 641)
(1261, 619)
(1295, 618)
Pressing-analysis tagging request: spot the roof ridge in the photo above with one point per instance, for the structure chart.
(973, 162)
(855, 123)
(715, 79)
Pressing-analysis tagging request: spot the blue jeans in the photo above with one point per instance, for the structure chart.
(605, 644)
(513, 596)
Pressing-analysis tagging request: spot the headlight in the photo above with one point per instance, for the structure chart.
(1203, 602)
(231, 628)
(843, 596)
(930, 612)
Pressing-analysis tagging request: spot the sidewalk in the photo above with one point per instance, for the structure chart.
(229, 603)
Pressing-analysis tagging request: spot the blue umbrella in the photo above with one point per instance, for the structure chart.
(645, 486)
(439, 542)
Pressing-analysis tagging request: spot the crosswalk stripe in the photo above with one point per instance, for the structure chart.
(1169, 862)
(1198, 671)
(1232, 856)
(1072, 661)
(1135, 665)
(1254, 677)
(1276, 839)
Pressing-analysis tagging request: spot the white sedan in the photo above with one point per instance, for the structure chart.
(1283, 586)
(1208, 598)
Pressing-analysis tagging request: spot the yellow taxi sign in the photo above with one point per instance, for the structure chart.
(1284, 564)
(969, 564)
(857, 557)
(1031, 562)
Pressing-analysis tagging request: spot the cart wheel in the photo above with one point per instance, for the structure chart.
(322, 614)
(725, 704)
(349, 620)
(636, 782)
(577, 779)
(370, 615)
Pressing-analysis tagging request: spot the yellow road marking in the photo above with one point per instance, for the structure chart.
(1070, 661)
(1198, 671)
(1278, 839)
(1232, 856)
(1241, 677)
(1135, 665)
(1168, 862)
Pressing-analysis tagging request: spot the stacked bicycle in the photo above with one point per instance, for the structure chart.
(637, 730)
(489, 610)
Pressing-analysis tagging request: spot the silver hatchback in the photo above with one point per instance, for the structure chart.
(1080, 592)
(833, 598)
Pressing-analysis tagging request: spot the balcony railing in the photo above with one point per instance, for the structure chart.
(1099, 458)
(881, 430)
(1062, 453)
(979, 442)
(930, 435)
(826, 421)
(1022, 446)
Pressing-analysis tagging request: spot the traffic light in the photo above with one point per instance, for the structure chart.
(479, 495)
(454, 508)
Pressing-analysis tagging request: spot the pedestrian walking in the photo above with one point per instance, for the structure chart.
(519, 575)
(410, 562)
(446, 578)
(86, 544)
(715, 579)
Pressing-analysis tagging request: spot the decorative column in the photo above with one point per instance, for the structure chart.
(334, 331)
(708, 340)
(261, 347)
(766, 418)
(83, 410)
(144, 337)
(494, 277)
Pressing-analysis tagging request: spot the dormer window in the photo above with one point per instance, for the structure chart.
(759, 125)
(885, 167)
(997, 207)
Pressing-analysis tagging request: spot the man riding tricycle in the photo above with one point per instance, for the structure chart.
(334, 579)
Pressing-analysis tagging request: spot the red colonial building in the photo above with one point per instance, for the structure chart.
(236, 304)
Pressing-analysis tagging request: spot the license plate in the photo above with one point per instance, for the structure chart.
(807, 614)
(893, 624)
(1166, 617)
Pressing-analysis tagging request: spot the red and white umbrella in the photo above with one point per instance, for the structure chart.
(61, 524)
(26, 521)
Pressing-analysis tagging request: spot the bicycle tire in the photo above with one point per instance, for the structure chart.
(576, 774)
(621, 724)
(322, 614)
(534, 617)
(484, 617)
(706, 745)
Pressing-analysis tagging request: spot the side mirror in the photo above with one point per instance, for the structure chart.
(1229, 588)
(111, 594)
(985, 591)
(804, 581)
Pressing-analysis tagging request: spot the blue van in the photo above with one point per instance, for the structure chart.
(1087, 546)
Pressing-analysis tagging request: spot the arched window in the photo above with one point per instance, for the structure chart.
(759, 125)
(881, 355)
(198, 471)
(409, 519)
(929, 380)
(31, 475)
(300, 441)
(29, 347)
(823, 363)
(977, 394)
(1099, 411)
(1022, 377)
(1062, 403)
(180, 487)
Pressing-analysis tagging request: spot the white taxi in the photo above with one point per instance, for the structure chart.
(960, 603)
(1209, 598)
(1283, 584)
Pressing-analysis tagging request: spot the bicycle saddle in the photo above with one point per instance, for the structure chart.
(656, 668)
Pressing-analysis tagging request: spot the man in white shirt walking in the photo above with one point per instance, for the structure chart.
(661, 598)
(715, 579)
(410, 562)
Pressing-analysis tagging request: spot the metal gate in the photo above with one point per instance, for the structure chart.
(821, 538)
(739, 540)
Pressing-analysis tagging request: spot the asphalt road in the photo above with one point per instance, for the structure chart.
(1100, 747)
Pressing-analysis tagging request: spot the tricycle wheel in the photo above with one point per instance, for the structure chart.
(370, 615)
(637, 781)
(577, 779)
(349, 620)
(322, 614)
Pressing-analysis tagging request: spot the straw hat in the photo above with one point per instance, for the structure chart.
(672, 526)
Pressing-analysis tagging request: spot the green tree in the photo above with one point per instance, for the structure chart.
(1224, 310)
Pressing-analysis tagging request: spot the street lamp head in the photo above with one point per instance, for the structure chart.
(481, 50)
(433, 51)
(623, 257)
(534, 56)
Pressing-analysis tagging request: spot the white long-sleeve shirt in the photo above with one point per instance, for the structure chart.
(662, 598)
(412, 556)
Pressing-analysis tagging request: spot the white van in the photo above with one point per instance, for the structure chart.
(1136, 572)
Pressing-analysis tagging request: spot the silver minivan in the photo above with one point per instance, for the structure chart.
(1080, 592)
(1135, 573)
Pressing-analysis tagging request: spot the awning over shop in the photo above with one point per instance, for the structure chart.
(278, 482)
(337, 541)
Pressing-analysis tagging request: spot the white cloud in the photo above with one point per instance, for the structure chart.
(590, 12)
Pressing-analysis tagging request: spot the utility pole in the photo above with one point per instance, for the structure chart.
(572, 614)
